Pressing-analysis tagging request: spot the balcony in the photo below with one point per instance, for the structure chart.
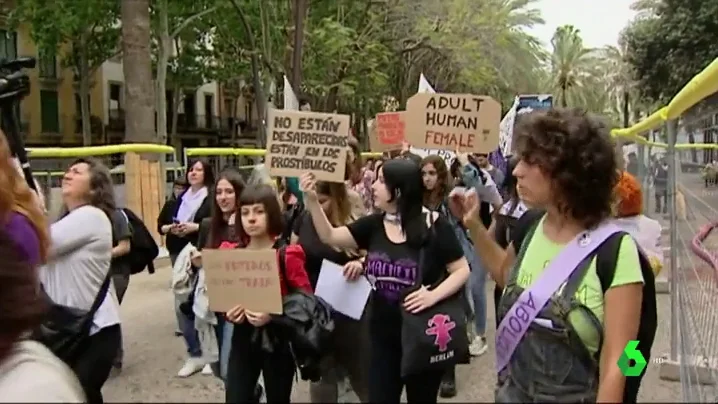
(189, 123)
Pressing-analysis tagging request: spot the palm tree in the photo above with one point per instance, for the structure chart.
(573, 68)
(619, 80)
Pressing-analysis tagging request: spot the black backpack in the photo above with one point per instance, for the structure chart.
(606, 258)
(143, 248)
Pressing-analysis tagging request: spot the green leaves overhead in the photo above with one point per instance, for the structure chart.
(670, 42)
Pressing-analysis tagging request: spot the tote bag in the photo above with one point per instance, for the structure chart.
(435, 338)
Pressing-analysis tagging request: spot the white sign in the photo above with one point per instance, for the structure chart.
(290, 99)
(506, 129)
(424, 86)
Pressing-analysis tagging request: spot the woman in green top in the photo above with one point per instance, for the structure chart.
(567, 168)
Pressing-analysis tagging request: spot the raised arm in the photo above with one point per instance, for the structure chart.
(79, 228)
(335, 236)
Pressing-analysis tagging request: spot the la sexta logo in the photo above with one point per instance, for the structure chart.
(440, 326)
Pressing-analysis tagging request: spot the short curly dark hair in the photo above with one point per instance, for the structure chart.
(575, 150)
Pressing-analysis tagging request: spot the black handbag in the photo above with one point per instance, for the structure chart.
(435, 338)
(65, 330)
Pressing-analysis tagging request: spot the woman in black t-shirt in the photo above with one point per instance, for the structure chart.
(393, 240)
(349, 336)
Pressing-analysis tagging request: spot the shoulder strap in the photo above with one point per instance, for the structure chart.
(428, 218)
(606, 259)
(525, 241)
(534, 298)
(283, 266)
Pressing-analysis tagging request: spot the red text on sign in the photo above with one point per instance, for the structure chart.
(461, 140)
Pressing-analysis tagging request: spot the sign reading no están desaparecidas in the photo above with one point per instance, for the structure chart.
(301, 142)
(469, 123)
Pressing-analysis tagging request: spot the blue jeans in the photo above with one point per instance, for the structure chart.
(224, 330)
(189, 334)
(476, 290)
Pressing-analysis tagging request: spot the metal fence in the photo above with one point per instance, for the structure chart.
(687, 207)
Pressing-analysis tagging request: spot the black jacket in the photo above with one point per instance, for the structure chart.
(175, 244)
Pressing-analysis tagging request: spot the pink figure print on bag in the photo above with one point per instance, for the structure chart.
(440, 326)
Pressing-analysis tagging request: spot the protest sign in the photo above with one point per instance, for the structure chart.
(240, 277)
(388, 131)
(301, 142)
(466, 122)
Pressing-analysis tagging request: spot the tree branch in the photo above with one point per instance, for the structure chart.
(189, 20)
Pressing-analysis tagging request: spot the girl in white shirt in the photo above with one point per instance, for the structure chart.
(78, 266)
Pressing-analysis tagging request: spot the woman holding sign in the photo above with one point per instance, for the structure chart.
(407, 251)
(574, 282)
(260, 226)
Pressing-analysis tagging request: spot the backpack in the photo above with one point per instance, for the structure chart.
(143, 248)
(606, 258)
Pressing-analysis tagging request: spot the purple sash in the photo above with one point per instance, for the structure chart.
(517, 320)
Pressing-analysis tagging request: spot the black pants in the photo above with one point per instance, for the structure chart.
(121, 282)
(95, 362)
(247, 360)
(385, 381)
(349, 340)
(661, 196)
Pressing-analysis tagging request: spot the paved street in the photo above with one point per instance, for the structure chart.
(153, 356)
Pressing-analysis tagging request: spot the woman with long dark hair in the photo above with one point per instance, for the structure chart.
(221, 231)
(77, 272)
(437, 185)
(393, 240)
(194, 205)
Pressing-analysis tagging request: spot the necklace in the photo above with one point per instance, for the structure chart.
(392, 218)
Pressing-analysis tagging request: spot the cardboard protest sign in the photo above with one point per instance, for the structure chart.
(466, 122)
(240, 277)
(388, 131)
(300, 142)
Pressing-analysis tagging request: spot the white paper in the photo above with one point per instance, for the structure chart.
(346, 297)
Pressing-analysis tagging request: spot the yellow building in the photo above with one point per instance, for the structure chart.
(50, 114)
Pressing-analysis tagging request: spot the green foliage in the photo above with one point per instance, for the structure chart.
(670, 42)
(86, 26)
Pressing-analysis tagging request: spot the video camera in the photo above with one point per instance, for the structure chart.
(14, 82)
(14, 85)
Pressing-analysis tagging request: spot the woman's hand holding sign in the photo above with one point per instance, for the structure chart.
(236, 315)
(257, 319)
(419, 300)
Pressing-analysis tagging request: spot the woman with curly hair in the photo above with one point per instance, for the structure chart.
(567, 168)
(630, 218)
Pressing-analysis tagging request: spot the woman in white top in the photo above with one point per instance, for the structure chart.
(78, 265)
(29, 372)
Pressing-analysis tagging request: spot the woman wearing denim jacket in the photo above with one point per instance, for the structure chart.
(437, 184)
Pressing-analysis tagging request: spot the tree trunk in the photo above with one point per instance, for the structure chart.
(299, 15)
(256, 79)
(84, 92)
(163, 57)
(137, 69)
